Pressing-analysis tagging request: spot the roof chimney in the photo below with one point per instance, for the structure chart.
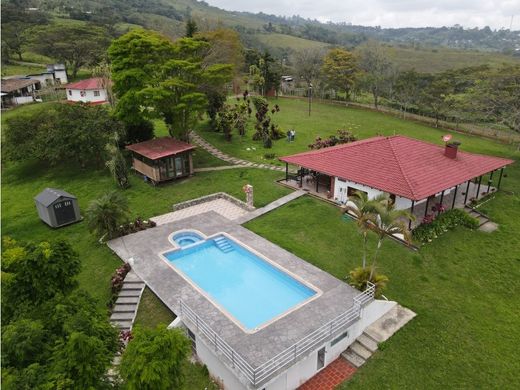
(451, 149)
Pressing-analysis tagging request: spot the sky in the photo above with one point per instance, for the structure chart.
(390, 13)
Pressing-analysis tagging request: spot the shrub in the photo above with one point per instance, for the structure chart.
(117, 280)
(432, 227)
(342, 137)
(359, 277)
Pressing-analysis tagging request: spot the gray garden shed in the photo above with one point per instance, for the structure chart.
(57, 208)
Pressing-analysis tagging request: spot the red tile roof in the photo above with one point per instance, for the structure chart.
(93, 83)
(398, 165)
(160, 147)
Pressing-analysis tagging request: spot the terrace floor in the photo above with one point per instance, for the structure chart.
(419, 209)
(143, 250)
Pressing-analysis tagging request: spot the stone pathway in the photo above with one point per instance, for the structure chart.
(195, 138)
(125, 308)
(223, 207)
(271, 206)
(331, 376)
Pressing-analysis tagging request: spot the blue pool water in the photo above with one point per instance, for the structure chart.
(186, 238)
(250, 289)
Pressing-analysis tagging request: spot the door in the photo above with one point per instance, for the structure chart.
(321, 358)
(64, 212)
(179, 171)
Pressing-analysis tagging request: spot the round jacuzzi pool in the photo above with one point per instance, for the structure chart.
(184, 239)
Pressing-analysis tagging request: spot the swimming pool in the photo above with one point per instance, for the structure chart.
(186, 238)
(248, 288)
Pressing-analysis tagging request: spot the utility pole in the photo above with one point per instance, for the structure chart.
(310, 98)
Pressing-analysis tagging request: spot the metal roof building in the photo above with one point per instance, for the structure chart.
(57, 207)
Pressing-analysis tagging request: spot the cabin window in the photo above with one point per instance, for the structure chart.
(70, 92)
(96, 93)
(392, 198)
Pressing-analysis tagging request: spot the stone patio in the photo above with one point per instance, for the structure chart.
(331, 376)
(142, 251)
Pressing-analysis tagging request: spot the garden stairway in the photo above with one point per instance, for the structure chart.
(482, 218)
(125, 307)
(381, 330)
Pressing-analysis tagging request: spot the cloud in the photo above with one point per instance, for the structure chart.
(390, 13)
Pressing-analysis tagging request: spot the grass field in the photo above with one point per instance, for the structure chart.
(283, 41)
(463, 286)
(325, 120)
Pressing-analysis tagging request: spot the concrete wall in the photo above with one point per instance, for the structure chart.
(305, 368)
(74, 95)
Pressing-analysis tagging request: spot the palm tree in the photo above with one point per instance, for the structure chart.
(390, 221)
(366, 212)
(105, 214)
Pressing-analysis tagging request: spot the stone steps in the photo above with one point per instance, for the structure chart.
(368, 342)
(353, 358)
(127, 303)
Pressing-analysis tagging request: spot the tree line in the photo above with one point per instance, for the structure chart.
(480, 94)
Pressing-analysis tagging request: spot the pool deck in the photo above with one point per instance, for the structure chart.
(142, 250)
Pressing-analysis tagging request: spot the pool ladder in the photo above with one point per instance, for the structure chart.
(223, 244)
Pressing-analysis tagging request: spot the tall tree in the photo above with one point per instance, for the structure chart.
(407, 89)
(377, 69)
(74, 45)
(191, 28)
(55, 133)
(340, 70)
(153, 359)
(308, 63)
(155, 77)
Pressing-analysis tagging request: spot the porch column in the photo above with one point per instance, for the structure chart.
(317, 181)
(411, 212)
(332, 187)
(490, 181)
(500, 178)
(426, 208)
(301, 177)
(467, 191)
(454, 196)
(286, 172)
(478, 187)
(440, 202)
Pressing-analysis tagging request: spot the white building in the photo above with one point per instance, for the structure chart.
(55, 74)
(88, 91)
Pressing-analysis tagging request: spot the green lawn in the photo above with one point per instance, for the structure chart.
(325, 120)
(152, 311)
(464, 288)
(21, 182)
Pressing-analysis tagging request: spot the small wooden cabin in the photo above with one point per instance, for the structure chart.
(162, 159)
(57, 208)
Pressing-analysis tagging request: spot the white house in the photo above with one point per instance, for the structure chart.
(418, 175)
(55, 74)
(88, 91)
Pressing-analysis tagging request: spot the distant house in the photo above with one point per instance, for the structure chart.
(162, 159)
(57, 208)
(18, 91)
(88, 91)
(55, 74)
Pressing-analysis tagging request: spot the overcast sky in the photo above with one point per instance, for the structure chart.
(390, 13)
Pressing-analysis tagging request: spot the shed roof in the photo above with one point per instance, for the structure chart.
(157, 148)
(93, 83)
(10, 85)
(398, 165)
(49, 195)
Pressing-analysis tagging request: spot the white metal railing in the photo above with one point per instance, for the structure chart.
(262, 373)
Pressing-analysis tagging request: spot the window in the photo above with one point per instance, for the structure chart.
(392, 198)
(351, 191)
(339, 338)
(96, 93)
(321, 358)
(70, 92)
